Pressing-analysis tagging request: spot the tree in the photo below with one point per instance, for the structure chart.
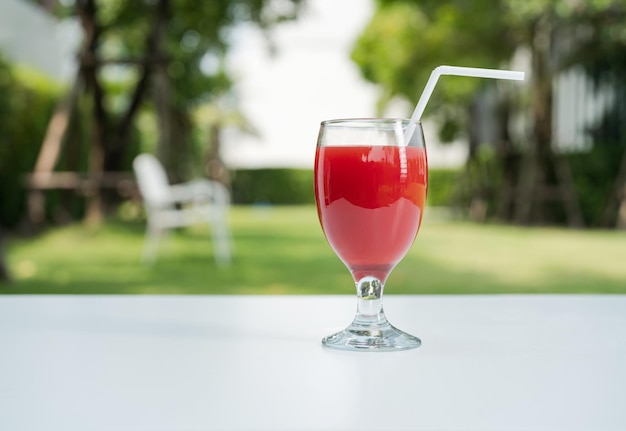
(604, 58)
(213, 118)
(134, 49)
(406, 39)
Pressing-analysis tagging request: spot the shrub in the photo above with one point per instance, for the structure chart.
(295, 186)
(594, 177)
(27, 102)
(282, 186)
(442, 185)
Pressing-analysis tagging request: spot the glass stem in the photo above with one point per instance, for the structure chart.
(370, 301)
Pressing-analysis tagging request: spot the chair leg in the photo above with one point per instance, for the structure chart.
(221, 243)
(151, 244)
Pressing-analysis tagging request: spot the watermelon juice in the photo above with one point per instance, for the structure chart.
(370, 202)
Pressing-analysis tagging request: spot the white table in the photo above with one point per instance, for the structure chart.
(184, 363)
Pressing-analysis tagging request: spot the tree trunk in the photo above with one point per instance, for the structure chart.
(614, 214)
(474, 170)
(508, 161)
(543, 177)
(4, 268)
(162, 90)
(154, 58)
(51, 149)
(111, 142)
(215, 167)
(162, 104)
(536, 161)
(181, 149)
(88, 13)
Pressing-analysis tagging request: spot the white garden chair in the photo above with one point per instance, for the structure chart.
(170, 206)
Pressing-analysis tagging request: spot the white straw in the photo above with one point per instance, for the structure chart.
(457, 71)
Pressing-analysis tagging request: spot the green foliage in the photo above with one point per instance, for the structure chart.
(594, 180)
(406, 39)
(197, 37)
(594, 176)
(192, 39)
(26, 106)
(442, 186)
(273, 186)
(526, 13)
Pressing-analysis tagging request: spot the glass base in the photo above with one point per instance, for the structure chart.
(379, 337)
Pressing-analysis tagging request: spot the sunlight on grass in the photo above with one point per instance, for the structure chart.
(526, 259)
(283, 251)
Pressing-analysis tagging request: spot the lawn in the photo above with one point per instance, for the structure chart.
(281, 250)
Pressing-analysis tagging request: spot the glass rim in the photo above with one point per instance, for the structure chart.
(365, 120)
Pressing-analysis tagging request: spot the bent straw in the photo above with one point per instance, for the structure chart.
(457, 71)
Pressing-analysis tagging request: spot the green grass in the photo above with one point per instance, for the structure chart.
(282, 251)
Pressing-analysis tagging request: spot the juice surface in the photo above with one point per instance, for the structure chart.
(370, 203)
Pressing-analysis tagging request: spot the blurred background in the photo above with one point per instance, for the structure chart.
(527, 180)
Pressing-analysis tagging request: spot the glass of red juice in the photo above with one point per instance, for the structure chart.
(371, 177)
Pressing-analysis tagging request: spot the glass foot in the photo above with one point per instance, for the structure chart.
(380, 337)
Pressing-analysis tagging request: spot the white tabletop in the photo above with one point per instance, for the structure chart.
(184, 363)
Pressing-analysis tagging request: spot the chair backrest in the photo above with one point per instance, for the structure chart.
(152, 180)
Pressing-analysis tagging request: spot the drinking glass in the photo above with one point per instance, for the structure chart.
(370, 190)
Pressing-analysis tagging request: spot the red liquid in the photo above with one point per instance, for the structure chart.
(370, 202)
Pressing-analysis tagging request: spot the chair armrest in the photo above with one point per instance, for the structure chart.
(181, 193)
(200, 190)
